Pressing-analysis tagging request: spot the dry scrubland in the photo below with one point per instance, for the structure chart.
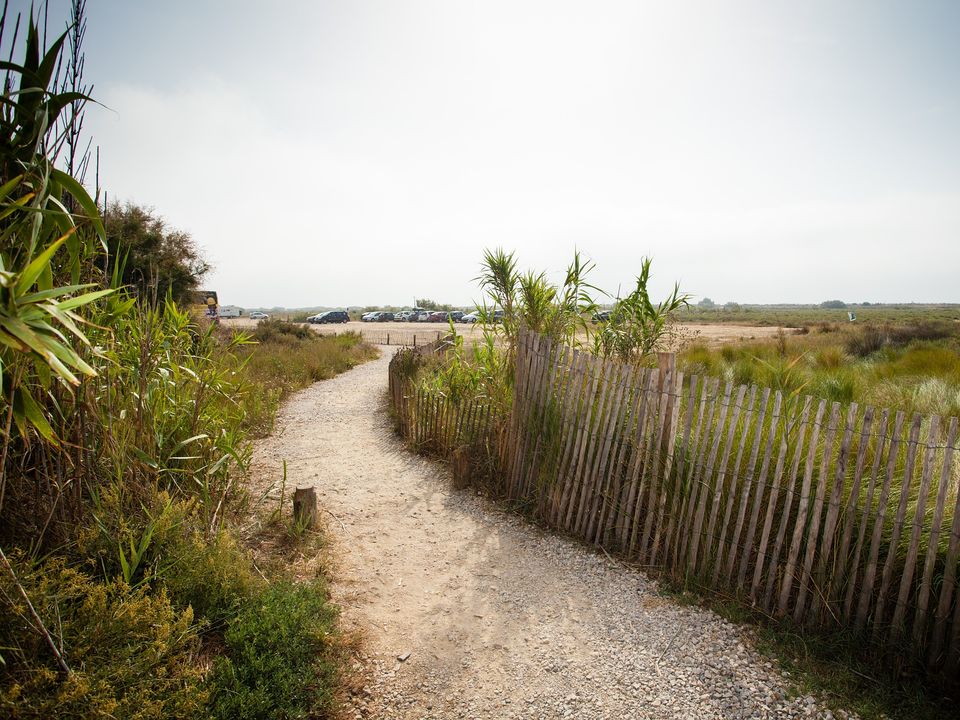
(712, 334)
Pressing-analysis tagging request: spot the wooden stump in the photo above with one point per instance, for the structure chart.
(460, 460)
(305, 507)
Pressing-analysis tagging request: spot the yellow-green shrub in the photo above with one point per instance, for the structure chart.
(131, 654)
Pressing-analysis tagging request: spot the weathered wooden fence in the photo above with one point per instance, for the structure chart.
(835, 516)
(403, 338)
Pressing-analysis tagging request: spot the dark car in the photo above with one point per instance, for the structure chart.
(601, 317)
(332, 316)
(440, 316)
(383, 317)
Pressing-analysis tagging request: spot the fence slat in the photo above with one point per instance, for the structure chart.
(946, 479)
(671, 482)
(869, 577)
(744, 503)
(880, 447)
(788, 504)
(579, 385)
(570, 379)
(631, 486)
(609, 387)
(659, 442)
(681, 492)
(842, 572)
(771, 500)
(721, 481)
(602, 470)
(910, 564)
(821, 580)
(887, 577)
(645, 449)
(708, 403)
(582, 419)
(707, 478)
(585, 434)
(607, 524)
(813, 533)
(801, 522)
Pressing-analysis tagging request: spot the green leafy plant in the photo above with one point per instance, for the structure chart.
(636, 324)
(271, 668)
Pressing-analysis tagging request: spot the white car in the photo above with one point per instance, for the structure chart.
(257, 315)
(470, 318)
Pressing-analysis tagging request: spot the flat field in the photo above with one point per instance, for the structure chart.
(712, 335)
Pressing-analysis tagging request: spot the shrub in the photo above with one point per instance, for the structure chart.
(131, 654)
(275, 666)
(867, 341)
(840, 387)
(272, 330)
(213, 576)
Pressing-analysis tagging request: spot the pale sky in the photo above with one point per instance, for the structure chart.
(363, 153)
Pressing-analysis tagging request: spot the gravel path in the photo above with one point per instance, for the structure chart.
(469, 612)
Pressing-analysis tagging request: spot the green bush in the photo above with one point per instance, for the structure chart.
(131, 654)
(275, 666)
(213, 576)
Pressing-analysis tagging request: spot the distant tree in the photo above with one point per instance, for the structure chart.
(731, 306)
(428, 304)
(153, 258)
(706, 303)
(833, 305)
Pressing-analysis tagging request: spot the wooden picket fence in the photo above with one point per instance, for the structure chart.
(402, 338)
(838, 517)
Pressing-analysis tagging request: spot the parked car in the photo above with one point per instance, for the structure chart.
(383, 317)
(403, 316)
(601, 317)
(439, 316)
(257, 315)
(457, 315)
(369, 316)
(421, 316)
(470, 318)
(332, 316)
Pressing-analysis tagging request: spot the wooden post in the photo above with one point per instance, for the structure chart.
(305, 507)
(460, 460)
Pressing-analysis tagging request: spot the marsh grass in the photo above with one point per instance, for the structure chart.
(916, 369)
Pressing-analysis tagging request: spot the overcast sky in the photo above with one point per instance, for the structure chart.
(359, 152)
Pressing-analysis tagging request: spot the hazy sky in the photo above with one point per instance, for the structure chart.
(358, 152)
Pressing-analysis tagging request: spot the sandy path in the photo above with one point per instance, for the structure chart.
(500, 619)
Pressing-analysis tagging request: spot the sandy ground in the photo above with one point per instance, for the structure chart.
(710, 334)
(469, 612)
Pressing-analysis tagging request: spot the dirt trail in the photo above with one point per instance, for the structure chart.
(495, 618)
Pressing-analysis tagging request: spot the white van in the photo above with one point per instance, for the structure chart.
(230, 311)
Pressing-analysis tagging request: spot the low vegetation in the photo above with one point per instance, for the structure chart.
(289, 357)
(125, 590)
(913, 368)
